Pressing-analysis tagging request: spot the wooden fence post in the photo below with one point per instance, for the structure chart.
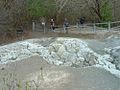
(109, 26)
(43, 25)
(94, 27)
(44, 29)
(33, 26)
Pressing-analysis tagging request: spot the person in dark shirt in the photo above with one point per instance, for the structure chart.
(52, 23)
(66, 25)
(82, 21)
(19, 32)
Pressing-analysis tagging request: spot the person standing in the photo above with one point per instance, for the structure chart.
(43, 22)
(66, 25)
(52, 23)
(82, 21)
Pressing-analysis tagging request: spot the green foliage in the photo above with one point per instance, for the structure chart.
(106, 12)
(39, 8)
(103, 26)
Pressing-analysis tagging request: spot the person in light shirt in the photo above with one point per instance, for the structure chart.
(43, 22)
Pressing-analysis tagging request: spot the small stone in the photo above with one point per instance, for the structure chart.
(118, 66)
(2, 68)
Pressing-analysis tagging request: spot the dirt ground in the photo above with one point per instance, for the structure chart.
(72, 32)
(60, 77)
(82, 35)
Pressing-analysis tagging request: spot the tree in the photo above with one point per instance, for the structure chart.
(40, 8)
(102, 8)
(106, 11)
(13, 13)
(60, 5)
(70, 9)
(116, 9)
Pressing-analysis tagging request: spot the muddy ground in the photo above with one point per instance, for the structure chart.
(60, 77)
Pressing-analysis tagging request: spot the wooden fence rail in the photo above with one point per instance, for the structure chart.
(95, 26)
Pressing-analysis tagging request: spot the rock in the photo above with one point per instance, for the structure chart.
(64, 56)
(106, 57)
(21, 57)
(61, 51)
(72, 51)
(34, 48)
(14, 55)
(118, 66)
(70, 47)
(55, 56)
(2, 68)
(58, 63)
(25, 52)
(115, 54)
(56, 46)
(78, 64)
(81, 59)
(51, 49)
(90, 59)
(105, 62)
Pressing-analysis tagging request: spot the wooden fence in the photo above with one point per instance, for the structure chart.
(106, 26)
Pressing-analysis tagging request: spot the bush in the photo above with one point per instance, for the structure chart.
(106, 12)
(40, 8)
